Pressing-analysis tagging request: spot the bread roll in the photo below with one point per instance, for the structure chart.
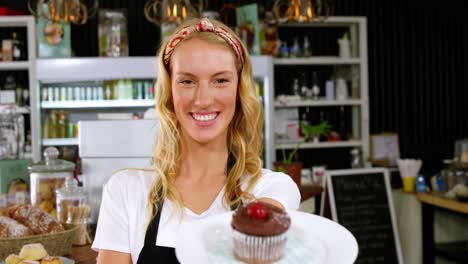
(11, 228)
(51, 260)
(33, 252)
(38, 221)
(4, 212)
(12, 259)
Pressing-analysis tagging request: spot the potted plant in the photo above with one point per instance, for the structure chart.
(290, 167)
(313, 132)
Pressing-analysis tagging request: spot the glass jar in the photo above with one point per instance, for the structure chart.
(112, 31)
(48, 176)
(70, 196)
(11, 134)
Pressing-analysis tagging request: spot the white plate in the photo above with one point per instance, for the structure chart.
(311, 240)
(64, 260)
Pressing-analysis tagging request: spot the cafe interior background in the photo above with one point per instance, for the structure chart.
(346, 85)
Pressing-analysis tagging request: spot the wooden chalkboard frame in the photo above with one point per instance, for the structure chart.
(332, 205)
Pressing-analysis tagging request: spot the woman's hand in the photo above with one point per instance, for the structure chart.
(113, 257)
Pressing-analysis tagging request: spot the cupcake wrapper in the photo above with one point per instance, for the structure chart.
(259, 249)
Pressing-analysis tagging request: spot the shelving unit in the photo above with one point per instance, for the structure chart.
(98, 104)
(29, 65)
(50, 71)
(60, 142)
(318, 103)
(316, 61)
(357, 28)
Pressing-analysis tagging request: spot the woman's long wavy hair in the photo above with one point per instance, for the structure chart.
(244, 138)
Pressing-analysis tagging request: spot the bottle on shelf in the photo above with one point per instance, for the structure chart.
(330, 90)
(307, 50)
(7, 50)
(128, 90)
(305, 120)
(83, 93)
(89, 93)
(63, 94)
(295, 49)
(120, 89)
(70, 94)
(53, 125)
(50, 94)
(56, 94)
(8, 92)
(19, 94)
(315, 87)
(139, 91)
(304, 87)
(100, 90)
(107, 91)
(46, 127)
(95, 95)
(28, 142)
(283, 50)
(44, 94)
(9, 83)
(62, 124)
(26, 99)
(295, 88)
(149, 90)
(341, 89)
(19, 52)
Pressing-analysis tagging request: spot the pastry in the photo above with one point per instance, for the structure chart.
(4, 212)
(12, 259)
(33, 252)
(51, 260)
(38, 221)
(29, 262)
(259, 232)
(11, 228)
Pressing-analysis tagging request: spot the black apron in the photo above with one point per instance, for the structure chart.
(152, 254)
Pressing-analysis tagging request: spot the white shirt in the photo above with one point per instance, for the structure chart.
(124, 215)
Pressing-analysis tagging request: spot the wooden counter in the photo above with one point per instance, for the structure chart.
(442, 202)
(83, 255)
(456, 251)
(309, 191)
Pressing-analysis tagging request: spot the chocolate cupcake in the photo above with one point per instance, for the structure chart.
(259, 232)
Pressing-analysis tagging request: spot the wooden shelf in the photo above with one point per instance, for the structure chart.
(310, 145)
(60, 142)
(316, 61)
(442, 202)
(14, 65)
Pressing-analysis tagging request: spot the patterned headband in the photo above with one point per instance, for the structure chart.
(204, 25)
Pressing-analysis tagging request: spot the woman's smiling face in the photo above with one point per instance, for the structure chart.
(204, 84)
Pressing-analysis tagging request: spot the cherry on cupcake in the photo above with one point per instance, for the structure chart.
(258, 211)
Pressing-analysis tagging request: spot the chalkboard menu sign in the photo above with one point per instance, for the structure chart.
(361, 201)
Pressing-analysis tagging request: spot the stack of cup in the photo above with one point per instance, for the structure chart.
(409, 169)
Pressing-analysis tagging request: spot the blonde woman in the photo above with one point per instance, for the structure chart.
(208, 151)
